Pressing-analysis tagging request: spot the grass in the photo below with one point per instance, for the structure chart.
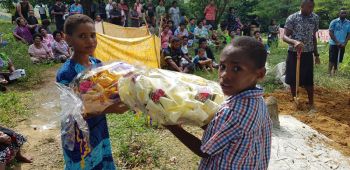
(134, 140)
(14, 104)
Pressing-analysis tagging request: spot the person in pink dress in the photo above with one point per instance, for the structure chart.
(48, 39)
(38, 51)
(166, 36)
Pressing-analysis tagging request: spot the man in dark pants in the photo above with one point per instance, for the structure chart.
(339, 31)
(300, 34)
(58, 10)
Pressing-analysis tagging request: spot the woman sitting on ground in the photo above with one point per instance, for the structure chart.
(60, 47)
(10, 147)
(48, 39)
(22, 31)
(6, 68)
(38, 51)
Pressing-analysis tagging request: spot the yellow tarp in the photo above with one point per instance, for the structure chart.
(142, 50)
(121, 32)
(131, 45)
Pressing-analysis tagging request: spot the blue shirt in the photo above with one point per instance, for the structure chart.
(239, 136)
(76, 8)
(340, 30)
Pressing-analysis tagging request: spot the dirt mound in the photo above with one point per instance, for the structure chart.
(331, 119)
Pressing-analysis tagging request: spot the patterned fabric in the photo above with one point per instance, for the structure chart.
(239, 136)
(210, 12)
(99, 156)
(340, 29)
(303, 29)
(76, 9)
(8, 152)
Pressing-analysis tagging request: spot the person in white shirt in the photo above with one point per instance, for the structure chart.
(109, 8)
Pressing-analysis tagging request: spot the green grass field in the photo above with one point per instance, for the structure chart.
(135, 143)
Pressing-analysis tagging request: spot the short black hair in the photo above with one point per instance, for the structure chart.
(343, 9)
(55, 33)
(46, 22)
(174, 2)
(199, 21)
(172, 22)
(255, 32)
(182, 23)
(201, 40)
(74, 21)
(303, 2)
(175, 40)
(253, 49)
(37, 35)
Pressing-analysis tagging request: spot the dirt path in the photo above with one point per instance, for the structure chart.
(42, 128)
(331, 119)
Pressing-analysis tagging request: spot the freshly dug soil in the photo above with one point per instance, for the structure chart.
(332, 116)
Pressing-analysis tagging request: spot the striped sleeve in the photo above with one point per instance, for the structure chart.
(229, 131)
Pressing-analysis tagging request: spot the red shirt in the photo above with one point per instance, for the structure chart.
(210, 12)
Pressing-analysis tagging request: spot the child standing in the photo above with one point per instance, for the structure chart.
(239, 135)
(81, 35)
(202, 61)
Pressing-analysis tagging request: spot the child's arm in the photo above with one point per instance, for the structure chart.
(5, 139)
(191, 142)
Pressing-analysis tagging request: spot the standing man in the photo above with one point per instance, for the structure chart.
(300, 34)
(58, 10)
(339, 30)
(109, 8)
(210, 14)
(116, 15)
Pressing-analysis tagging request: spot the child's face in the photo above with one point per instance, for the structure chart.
(37, 40)
(98, 18)
(31, 13)
(58, 37)
(237, 72)
(83, 39)
(192, 22)
(257, 35)
(201, 53)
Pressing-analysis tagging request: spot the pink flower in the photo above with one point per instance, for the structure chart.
(156, 95)
(85, 86)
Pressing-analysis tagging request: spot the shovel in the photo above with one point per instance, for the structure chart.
(296, 99)
(338, 59)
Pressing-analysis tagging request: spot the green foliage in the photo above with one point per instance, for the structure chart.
(17, 52)
(12, 106)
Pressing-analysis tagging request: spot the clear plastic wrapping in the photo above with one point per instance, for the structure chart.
(89, 94)
(171, 97)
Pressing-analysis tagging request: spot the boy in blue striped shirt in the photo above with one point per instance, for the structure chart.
(239, 136)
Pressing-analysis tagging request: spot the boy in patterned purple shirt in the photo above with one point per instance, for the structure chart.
(239, 136)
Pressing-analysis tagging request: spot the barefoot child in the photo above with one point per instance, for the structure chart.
(202, 61)
(81, 35)
(239, 136)
(10, 147)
